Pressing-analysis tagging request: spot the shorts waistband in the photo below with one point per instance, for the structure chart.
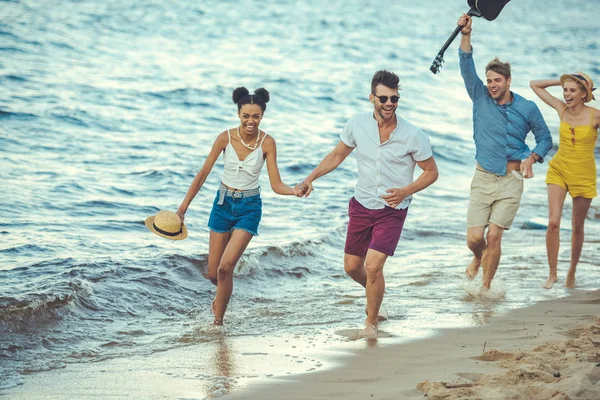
(490, 173)
(236, 194)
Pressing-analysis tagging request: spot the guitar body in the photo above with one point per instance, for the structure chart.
(489, 9)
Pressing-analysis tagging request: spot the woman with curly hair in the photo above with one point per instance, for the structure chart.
(237, 207)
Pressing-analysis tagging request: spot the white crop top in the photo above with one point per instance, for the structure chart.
(239, 174)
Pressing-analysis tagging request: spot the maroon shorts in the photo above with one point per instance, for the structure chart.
(373, 229)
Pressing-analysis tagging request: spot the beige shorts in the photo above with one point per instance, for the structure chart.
(494, 199)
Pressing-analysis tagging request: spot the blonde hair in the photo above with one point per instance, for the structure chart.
(579, 84)
(498, 66)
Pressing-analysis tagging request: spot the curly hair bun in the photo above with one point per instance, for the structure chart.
(238, 93)
(263, 94)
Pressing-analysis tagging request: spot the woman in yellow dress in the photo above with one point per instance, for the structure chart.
(573, 167)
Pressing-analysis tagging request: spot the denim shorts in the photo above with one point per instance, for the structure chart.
(236, 213)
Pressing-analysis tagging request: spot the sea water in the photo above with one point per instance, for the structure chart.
(109, 108)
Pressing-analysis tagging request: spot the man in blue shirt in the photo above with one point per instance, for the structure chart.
(501, 121)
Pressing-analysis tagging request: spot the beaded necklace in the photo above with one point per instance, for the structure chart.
(245, 144)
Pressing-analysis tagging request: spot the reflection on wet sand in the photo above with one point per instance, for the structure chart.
(222, 367)
(482, 317)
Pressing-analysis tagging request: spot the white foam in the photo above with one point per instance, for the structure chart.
(475, 292)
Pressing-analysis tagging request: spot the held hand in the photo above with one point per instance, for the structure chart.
(526, 168)
(395, 197)
(299, 190)
(465, 21)
(181, 215)
(307, 187)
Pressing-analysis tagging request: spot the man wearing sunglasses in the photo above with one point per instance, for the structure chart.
(387, 150)
(501, 121)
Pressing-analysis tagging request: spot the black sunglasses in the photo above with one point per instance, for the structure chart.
(384, 99)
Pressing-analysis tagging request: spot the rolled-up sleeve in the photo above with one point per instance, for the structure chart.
(420, 147)
(543, 138)
(347, 135)
(474, 85)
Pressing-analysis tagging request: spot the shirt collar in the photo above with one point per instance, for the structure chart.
(510, 103)
(376, 139)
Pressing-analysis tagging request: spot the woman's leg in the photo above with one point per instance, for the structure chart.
(581, 205)
(233, 251)
(216, 247)
(556, 200)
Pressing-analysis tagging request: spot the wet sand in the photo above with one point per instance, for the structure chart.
(548, 350)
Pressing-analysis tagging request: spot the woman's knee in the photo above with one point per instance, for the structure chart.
(578, 229)
(212, 272)
(554, 224)
(225, 270)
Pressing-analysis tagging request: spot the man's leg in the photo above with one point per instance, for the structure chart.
(509, 191)
(481, 199)
(375, 283)
(476, 244)
(355, 268)
(556, 200)
(581, 205)
(492, 254)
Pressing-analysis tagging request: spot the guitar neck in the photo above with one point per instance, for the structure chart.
(439, 59)
(450, 40)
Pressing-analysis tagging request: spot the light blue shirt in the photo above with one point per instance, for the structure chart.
(500, 130)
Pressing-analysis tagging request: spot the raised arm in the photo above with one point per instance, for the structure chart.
(330, 162)
(270, 150)
(465, 41)
(539, 87)
(218, 146)
(475, 86)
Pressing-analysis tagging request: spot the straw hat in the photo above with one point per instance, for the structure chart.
(585, 80)
(167, 224)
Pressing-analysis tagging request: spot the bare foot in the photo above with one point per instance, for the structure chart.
(382, 315)
(473, 268)
(570, 282)
(369, 332)
(218, 322)
(550, 282)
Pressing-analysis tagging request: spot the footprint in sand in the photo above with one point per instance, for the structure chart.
(470, 376)
(352, 334)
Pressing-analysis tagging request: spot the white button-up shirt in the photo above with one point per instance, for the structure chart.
(383, 166)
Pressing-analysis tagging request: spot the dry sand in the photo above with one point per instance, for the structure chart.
(547, 351)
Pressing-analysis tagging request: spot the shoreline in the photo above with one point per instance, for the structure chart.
(551, 348)
(547, 350)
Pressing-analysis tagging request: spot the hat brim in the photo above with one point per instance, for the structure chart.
(150, 225)
(588, 91)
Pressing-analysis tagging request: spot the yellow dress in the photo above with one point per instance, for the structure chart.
(573, 167)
